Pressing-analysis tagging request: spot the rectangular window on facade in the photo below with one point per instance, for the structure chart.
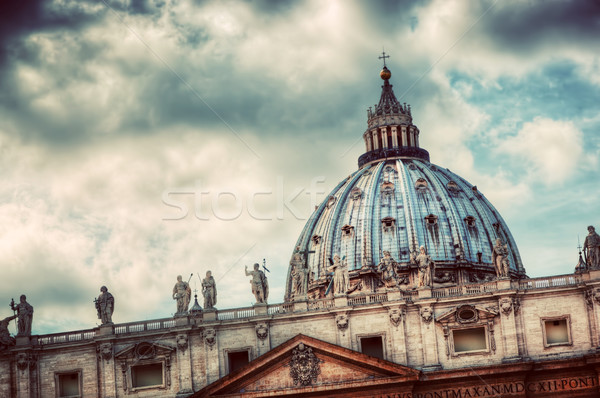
(147, 375)
(469, 340)
(68, 384)
(372, 346)
(556, 331)
(237, 359)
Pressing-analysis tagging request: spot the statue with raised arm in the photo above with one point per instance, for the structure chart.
(209, 291)
(426, 265)
(6, 340)
(105, 305)
(591, 248)
(500, 259)
(260, 286)
(24, 316)
(182, 293)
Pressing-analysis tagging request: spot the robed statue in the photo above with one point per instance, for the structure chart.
(105, 305)
(24, 316)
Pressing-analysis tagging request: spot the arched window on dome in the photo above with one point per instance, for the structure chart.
(470, 221)
(421, 185)
(388, 224)
(453, 188)
(356, 193)
(347, 231)
(316, 239)
(431, 219)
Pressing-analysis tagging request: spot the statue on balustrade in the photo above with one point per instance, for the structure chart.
(105, 305)
(209, 291)
(260, 285)
(425, 264)
(591, 248)
(299, 274)
(6, 340)
(341, 278)
(24, 312)
(500, 258)
(182, 293)
(387, 268)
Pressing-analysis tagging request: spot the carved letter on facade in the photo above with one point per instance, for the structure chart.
(304, 366)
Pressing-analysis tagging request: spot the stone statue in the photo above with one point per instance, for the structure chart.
(426, 265)
(24, 316)
(387, 268)
(209, 291)
(591, 248)
(299, 273)
(260, 286)
(182, 293)
(341, 279)
(500, 259)
(105, 305)
(6, 340)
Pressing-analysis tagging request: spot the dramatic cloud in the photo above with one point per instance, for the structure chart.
(140, 140)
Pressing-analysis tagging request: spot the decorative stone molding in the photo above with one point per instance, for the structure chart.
(304, 366)
(466, 314)
(427, 314)
(444, 277)
(341, 320)
(26, 360)
(210, 337)
(262, 331)
(182, 341)
(506, 306)
(105, 351)
(516, 304)
(395, 315)
(597, 295)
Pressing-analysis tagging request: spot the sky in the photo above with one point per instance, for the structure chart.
(141, 140)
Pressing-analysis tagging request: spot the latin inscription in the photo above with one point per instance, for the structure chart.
(494, 390)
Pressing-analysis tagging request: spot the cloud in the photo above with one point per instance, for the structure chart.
(549, 151)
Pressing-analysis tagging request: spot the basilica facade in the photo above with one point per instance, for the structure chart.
(405, 282)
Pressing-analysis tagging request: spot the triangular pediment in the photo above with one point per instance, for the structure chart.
(467, 313)
(304, 366)
(144, 350)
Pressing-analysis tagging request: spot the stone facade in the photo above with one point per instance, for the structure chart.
(516, 323)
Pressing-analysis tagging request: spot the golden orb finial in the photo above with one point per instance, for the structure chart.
(385, 73)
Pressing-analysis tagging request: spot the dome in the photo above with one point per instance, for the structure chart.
(394, 204)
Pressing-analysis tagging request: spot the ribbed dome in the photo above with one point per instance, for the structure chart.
(397, 202)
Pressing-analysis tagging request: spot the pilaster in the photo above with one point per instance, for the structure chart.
(184, 364)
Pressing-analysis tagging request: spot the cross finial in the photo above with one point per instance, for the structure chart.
(383, 56)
